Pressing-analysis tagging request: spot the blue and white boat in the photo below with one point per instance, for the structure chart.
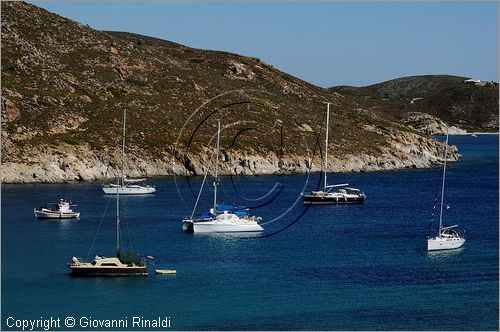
(222, 218)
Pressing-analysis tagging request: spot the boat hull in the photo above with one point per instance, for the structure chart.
(56, 215)
(129, 190)
(312, 199)
(86, 271)
(187, 226)
(441, 243)
(221, 227)
(199, 227)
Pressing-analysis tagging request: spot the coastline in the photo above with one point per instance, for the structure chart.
(405, 151)
(387, 258)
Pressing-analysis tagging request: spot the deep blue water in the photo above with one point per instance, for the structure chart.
(359, 267)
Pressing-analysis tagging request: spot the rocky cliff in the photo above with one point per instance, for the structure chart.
(429, 124)
(65, 87)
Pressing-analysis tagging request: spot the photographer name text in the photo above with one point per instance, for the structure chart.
(53, 323)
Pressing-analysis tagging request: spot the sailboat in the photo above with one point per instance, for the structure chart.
(127, 186)
(222, 218)
(124, 264)
(447, 237)
(332, 194)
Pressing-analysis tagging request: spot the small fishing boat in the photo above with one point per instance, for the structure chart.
(221, 218)
(61, 210)
(332, 194)
(449, 237)
(127, 186)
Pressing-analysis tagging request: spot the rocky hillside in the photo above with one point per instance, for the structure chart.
(65, 87)
(423, 98)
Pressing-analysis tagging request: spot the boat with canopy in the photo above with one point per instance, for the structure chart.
(221, 218)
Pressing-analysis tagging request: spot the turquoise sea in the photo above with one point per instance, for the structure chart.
(358, 267)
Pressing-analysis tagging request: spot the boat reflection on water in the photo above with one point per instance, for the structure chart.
(444, 254)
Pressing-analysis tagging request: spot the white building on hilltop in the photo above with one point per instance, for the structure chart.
(474, 81)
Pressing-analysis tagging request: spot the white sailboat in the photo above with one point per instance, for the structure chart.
(332, 194)
(127, 186)
(447, 237)
(222, 218)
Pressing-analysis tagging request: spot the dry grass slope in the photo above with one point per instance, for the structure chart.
(65, 86)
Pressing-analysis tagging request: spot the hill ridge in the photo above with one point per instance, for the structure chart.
(447, 97)
(65, 85)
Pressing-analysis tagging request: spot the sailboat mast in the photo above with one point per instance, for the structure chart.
(123, 147)
(117, 218)
(118, 187)
(217, 165)
(326, 142)
(442, 187)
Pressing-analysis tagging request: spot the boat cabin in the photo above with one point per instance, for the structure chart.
(101, 262)
(353, 191)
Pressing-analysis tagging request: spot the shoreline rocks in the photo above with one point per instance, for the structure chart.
(69, 163)
(429, 124)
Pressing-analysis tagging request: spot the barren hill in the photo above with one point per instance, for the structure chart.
(65, 87)
(464, 105)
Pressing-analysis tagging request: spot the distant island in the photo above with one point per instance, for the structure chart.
(65, 86)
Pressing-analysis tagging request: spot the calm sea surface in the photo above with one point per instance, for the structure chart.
(359, 267)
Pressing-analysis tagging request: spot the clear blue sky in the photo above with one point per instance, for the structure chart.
(324, 43)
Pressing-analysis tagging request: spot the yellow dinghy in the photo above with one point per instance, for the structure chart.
(158, 271)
